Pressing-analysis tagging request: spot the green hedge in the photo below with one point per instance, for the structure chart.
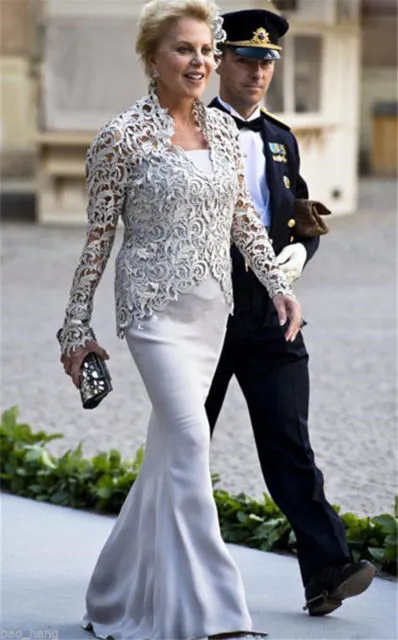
(101, 485)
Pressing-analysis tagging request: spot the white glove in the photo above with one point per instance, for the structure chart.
(291, 261)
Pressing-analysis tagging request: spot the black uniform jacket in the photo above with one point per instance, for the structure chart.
(282, 167)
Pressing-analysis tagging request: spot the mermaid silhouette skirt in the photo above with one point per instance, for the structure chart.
(165, 572)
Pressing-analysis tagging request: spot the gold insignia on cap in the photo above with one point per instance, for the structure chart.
(261, 36)
(260, 39)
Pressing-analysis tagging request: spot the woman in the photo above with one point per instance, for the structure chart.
(172, 170)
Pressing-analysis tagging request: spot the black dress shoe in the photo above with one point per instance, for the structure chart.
(326, 590)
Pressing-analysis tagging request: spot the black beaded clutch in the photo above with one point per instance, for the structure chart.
(95, 379)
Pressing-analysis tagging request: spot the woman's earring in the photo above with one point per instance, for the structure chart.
(152, 80)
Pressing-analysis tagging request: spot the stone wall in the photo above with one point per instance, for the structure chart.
(91, 71)
(379, 77)
(14, 27)
(18, 88)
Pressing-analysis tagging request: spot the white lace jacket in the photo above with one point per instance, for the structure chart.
(179, 221)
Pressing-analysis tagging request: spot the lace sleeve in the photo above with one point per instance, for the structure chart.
(251, 238)
(105, 179)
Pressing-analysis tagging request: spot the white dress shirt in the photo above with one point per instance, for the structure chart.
(252, 146)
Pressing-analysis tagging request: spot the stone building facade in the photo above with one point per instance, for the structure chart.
(65, 69)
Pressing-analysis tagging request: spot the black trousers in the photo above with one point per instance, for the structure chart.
(273, 376)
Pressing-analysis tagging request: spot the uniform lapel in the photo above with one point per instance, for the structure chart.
(215, 103)
(273, 178)
(272, 172)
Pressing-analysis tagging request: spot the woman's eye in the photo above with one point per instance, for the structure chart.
(207, 51)
(183, 49)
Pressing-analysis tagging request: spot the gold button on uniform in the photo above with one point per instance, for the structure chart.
(291, 223)
(291, 238)
(286, 180)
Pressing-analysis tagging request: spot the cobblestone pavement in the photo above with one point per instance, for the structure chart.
(348, 293)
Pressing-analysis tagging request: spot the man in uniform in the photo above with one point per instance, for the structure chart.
(273, 373)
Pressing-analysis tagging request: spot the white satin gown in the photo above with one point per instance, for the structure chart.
(165, 572)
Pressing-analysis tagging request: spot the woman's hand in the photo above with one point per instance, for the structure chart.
(288, 308)
(73, 363)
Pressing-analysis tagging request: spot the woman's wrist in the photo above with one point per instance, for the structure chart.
(74, 335)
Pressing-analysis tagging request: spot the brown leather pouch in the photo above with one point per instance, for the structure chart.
(308, 216)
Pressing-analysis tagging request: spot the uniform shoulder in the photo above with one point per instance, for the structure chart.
(274, 120)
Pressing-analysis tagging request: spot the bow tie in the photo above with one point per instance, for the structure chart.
(253, 125)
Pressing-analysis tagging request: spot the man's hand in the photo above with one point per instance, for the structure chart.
(291, 261)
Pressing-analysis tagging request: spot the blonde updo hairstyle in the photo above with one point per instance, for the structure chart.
(157, 16)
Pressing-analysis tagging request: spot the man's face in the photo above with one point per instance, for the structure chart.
(244, 81)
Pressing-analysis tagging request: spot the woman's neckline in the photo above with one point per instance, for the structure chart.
(196, 150)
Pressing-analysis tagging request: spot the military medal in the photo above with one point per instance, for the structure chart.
(279, 153)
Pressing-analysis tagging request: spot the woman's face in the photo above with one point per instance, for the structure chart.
(184, 59)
